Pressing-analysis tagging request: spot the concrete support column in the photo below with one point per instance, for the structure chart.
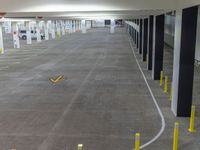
(74, 25)
(83, 26)
(145, 39)
(137, 40)
(46, 31)
(112, 26)
(38, 31)
(28, 33)
(8, 27)
(128, 29)
(63, 27)
(1, 40)
(141, 33)
(65, 24)
(79, 26)
(150, 42)
(132, 33)
(126, 26)
(70, 26)
(91, 24)
(58, 30)
(135, 35)
(158, 46)
(15, 29)
(184, 52)
(53, 33)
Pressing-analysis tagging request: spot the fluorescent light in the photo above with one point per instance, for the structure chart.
(67, 8)
(14, 20)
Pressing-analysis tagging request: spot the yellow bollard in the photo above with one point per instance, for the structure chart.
(1, 51)
(161, 78)
(58, 35)
(137, 141)
(170, 96)
(80, 146)
(166, 84)
(192, 121)
(176, 135)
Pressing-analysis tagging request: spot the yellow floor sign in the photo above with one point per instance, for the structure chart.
(57, 79)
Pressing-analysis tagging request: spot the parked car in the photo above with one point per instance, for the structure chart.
(23, 36)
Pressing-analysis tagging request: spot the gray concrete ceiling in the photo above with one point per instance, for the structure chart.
(89, 8)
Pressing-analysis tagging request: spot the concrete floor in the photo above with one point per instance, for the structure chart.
(101, 104)
(187, 140)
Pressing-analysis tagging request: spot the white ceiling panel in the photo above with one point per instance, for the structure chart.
(90, 8)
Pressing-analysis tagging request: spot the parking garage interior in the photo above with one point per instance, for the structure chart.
(103, 75)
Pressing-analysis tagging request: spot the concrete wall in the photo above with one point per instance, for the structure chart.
(88, 24)
(169, 33)
(98, 23)
(169, 30)
(197, 54)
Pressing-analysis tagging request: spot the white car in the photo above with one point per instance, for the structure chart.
(23, 36)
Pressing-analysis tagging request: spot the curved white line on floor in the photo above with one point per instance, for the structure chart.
(154, 99)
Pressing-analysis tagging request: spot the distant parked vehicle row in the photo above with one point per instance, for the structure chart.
(23, 36)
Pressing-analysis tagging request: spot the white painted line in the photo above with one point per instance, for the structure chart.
(3, 68)
(26, 58)
(18, 57)
(15, 59)
(155, 102)
(9, 63)
(49, 138)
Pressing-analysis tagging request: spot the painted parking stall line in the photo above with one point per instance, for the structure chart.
(155, 102)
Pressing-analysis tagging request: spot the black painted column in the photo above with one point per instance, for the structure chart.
(137, 42)
(150, 42)
(183, 71)
(145, 39)
(140, 34)
(158, 46)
